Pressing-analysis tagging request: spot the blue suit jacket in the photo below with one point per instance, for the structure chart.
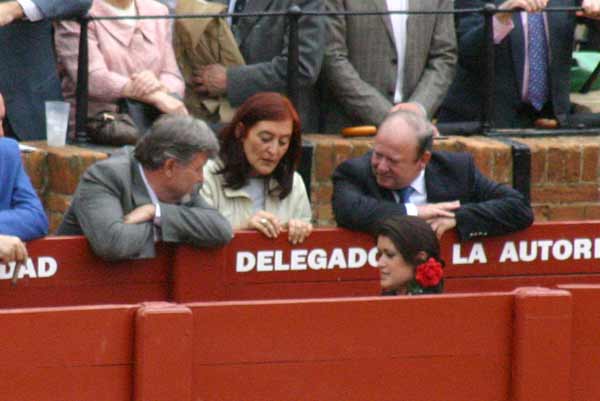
(486, 207)
(28, 69)
(21, 213)
(465, 97)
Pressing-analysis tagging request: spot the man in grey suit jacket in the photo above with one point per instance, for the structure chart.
(124, 204)
(27, 66)
(361, 61)
(263, 42)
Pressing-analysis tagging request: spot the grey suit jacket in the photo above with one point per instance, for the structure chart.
(112, 188)
(263, 42)
(360, 66)
(28, 69)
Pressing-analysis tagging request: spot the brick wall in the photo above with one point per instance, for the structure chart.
(564, 172)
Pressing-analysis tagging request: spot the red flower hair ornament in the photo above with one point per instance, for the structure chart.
(428, 278)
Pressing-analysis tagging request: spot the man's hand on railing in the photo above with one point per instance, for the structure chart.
(12, 249)
(9, 12)
(531, 6)
(210, 80)
(591, 9)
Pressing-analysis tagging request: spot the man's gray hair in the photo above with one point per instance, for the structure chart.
(175, 137)
(422, 128)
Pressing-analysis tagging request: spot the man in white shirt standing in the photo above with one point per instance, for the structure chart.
(376, 62)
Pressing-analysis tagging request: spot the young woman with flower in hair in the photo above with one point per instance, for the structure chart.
(408, 257)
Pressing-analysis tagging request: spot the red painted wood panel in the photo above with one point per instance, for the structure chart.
(425, 348)
(79, 277)
(585, 364)
(545, 254)
(67, 354)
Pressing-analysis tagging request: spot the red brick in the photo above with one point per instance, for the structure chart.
(54, 219)
(322, 194)
(590, 163)
(538, 159)
(36, 168)
(360, 146)
(483, 157)
(592, 212)
(57, 202)
(566, 213)
(503, 169)
(449, 144)
(556, 164)
(540, 212)
(323, 161)
(565, 193)
(342, 151)
(324, 214)
(66, 165)
(573, 164)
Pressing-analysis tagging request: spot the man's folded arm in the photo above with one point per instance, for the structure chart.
(196, 223)
(498, 209)
(100, 215)
(354, 209)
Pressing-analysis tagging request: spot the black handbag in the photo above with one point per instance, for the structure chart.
(123, 127)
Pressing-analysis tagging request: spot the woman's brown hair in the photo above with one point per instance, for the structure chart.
(265, 106)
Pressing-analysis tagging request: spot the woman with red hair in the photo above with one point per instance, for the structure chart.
(254, 183)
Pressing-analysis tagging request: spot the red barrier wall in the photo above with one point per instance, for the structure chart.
(585, 342)
(67, 354)
(331, 263)
(65, 271)
(496, 346)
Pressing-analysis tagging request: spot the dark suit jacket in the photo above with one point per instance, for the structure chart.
(465, 97)
(487, 208)
(28, 69)
(112, 188)
(263, 42)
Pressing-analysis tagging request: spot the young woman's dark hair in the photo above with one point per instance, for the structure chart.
(266, 106)
(414, 239)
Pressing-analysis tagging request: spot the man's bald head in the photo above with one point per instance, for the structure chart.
(401, 150)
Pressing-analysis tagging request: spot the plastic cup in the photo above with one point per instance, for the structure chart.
(57, 121)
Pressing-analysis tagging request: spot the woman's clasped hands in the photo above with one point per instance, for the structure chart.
(268, 224)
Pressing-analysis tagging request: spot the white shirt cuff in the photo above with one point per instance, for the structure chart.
(157, 214)
(411, 209)
(31, 10)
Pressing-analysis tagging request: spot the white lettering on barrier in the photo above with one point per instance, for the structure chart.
(304, 259)
(477, 254)
(44, 268)
(356, 258)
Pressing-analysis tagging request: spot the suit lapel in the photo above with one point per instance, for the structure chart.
(246, 24)
(139, 193)
(381, 5)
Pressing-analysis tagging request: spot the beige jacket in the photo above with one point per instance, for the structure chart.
(236, 205)
(203, 41)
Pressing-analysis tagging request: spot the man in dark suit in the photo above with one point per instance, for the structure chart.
(124, 204)
(263, 41)
(401, 175)
(532, 63)
(27, 66)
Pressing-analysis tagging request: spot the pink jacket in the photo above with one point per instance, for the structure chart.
(116, 51)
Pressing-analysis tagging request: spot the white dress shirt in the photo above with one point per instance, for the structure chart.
(399, 27)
